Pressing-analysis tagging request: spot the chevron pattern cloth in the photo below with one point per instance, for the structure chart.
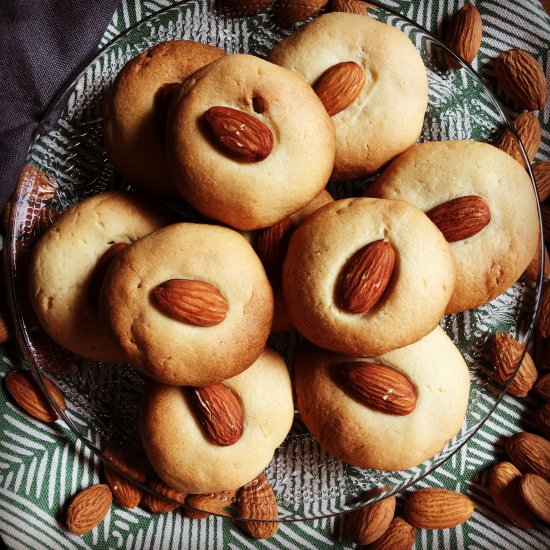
(42, 466)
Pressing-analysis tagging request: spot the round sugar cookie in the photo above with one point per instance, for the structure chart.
(433, 173)
(362, 435)
(322, 248)
(182, 454)
(387, 115)
(65, 257)
(180, 351)
(249, 194)
(136, 104)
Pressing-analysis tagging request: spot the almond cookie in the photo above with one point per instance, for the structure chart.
(365, 276)
(371, 79)
(183, 452)
(189, 305)
(63, 290)
(135, 108)
(248, 142)
(484, 203)
(390, 412)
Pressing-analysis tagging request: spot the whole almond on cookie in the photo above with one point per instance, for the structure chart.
(435, 508)
(464, 34)
(88, 508)
(530, 453)
(25, 391)
(219, 412)
(288, 12)
(504, 488)
(339, 86)
(535, 492)
(541, 175)
(400, 535)
(365, 276)
(522, 78)
(461, 218)
(369, 523)
(256, 501)
(528, 128)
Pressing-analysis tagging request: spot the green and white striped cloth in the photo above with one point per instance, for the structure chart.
(42, 466)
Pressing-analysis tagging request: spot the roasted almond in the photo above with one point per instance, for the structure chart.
(400, 535)
(163, 499)
(542, 387)
(244, 137)
(211, 503)
(542, 419)
(351, 6)
(435, 508)
(369, 523)
(98, 274)
(533, 269)
(256, 501)
(288, 12)
(504, 488)
(464, 34)
(365, 277)
(125, 460)
(271, 246)
(26, 392)
(522, 78)
(530, 453)
(378, 386)
(194, 302)
(543, 319)
(535, 492)
(339, 86)
(527, 126)
(219, 413)
(88, 508)
(461, 218)
(541, 175)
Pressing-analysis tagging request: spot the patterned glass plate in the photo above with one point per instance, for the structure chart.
(67, 162)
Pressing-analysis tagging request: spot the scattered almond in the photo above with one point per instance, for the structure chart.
(522, 78)
(435, 508)
(504, 488)
(288, 12)
(219, 413)
(535, 492)
(369, 523)
(211, 503)
(400, 535)
(339, 86)
(461, 218)
(365, 277)
(195, 302)
(154, 501)
(378, 386)
(527, 126)
(243, 136)
(26, 392)
(542, 419)
(543, 320)
(88, 508)
(542, 387)
(464, 34)
(530, 453)
(351, 6)
(541, 174)
(256, 501)
(98, 274)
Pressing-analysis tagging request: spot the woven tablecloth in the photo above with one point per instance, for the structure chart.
(41, 466)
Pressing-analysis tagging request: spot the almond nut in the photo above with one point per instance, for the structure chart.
(542, 419)
(88, 508)
(542, 387)
(155, 503)
(541, 175)
(369, 523)
(99, 272)
(504, 488)
(535, 492)
(461, 218)
(527, 126)
(210, 503)
(339, 86)
(530, 453)
(378, 386)
(543, 320)
(435, 508)
(194, 302)
(464, 34)
(288, 12)
(522, 78)
(400, 535)
(256, 501)
(351, 6)
(26, 392)
(219, 413)
(243, 136)
(365, 277)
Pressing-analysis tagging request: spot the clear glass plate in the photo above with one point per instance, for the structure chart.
(102, 402)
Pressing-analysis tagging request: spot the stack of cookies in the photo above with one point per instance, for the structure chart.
(251, 144)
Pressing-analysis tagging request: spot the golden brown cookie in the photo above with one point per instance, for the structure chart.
(136, 105)
(493, 258)
(362, 433)
(181, 452)
(248, 142)
(320, 257)
(386, 112)
(219, 309)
